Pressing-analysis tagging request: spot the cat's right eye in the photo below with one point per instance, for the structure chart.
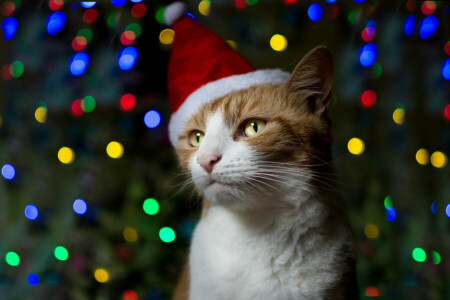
(195, 138)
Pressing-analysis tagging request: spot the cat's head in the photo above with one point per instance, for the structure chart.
(264, 146)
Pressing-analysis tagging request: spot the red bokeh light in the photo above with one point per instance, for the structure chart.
(240, 4)
(371, 291)
(55, 4)
(90, 15)
(447, 112)
(6, 73)
(77, 110)
(79, 43)
(127, 38)
(334, 11)
(7, 8)
(290, 1)
(428, 7)
(368, 34)
(130, 295)
(368, 98)
(411, 5)
(138, 10)
(447, 48)
(128, 102)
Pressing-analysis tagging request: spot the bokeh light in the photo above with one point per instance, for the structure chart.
(368, 54)
(433, 207)
(127, 58)
(79, 43)
(130, 295)
(446, 69)
(159, 16)
(240, 4)
(78, 63)
(390, 213)
(447, 112)
(61, 253)
(368, 98)
(410, 24)
(55, 22)
(204, 7)
(8, 172)
(150, 206)
(101, 275)
(130, 234)
(114, 149)
(422, 156)
(152, 119)
(371, 291)
(315, 12)
(139, 10)
(428, 7)
(6, 73)
(128, 102)
(90, 16)
(167, 235)
(418, 254)
(12, 258)
(7, 8)
(368, 34)
(86, 33)
(79, 206)
(438, 159)
(16, 69)
(9, 27)
(278, 42)
(166, 36)
(41, 114)
(88, 4)
(428, 27)
(55, 4)
(377, 69)
(31, 212)
(118, 3)
(356, 146)
(447, 48)
(136, 28)
(388, 201)
(399, 116)
(66, 155)
(88, 104)
(447, 210)
(76, 108)
(436, 257)
(371, 231)
(32, 279)
(127, 38)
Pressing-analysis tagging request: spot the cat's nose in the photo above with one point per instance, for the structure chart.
(207, 161)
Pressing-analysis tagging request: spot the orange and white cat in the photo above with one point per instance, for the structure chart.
(272, 226)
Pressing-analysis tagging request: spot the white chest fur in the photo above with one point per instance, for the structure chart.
(237, 256)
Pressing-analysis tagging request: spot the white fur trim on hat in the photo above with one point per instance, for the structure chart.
(216, 89)
(173, 12)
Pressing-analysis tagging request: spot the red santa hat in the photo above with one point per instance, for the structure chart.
(202, 68)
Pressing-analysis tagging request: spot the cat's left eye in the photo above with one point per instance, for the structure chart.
(253, 127)
(196, 138)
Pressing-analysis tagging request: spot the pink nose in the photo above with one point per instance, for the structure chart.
(207, 161)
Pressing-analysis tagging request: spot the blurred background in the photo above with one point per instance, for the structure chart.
(91, 206)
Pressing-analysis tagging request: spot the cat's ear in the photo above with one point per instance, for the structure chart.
(313, 78)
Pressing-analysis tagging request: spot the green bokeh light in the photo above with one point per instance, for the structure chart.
(111, 20)
(377, 69)
(16, 68)
(88, 104)
(150, 206)
(388, 201)
(352, 17)
(436, 257)
(252, 2)
(159, 16)
(61, 253)
(419, 254)
(86, 33)
(136, 28)
(167, 235)
(12, 258)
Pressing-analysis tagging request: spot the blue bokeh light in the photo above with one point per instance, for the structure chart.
(32, 279)
(136, 1)
(368, 54)
(118, 3)
(79, 207)
(359, 1)
(410, 23)
(370, 23)
(78, 63)
(433, 207)
(446, 69)
(391, 214)
(127, 58)
(428, 27)
(315, 12)
(55, 22)
(447, 210)
(8, 172)
(88, 4)
(9, 27)
(31, 212)
(152, 119)
(330, 1)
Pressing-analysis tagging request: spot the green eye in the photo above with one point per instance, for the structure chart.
(253, 127)
(196, 137)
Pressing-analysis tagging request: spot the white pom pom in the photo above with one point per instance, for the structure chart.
(174, 11)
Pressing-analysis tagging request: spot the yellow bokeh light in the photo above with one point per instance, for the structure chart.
(41, 114)
(232, 44)
(114, 149)
(66, 155)
(101, 275)
(278, 42)
(356, 146)
(371, 231)
(204, 7)
(422, 156)
(399, 116)
(130, 234)
(438, 159)
(166, 36)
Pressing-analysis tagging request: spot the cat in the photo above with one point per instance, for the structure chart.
(273, 225)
